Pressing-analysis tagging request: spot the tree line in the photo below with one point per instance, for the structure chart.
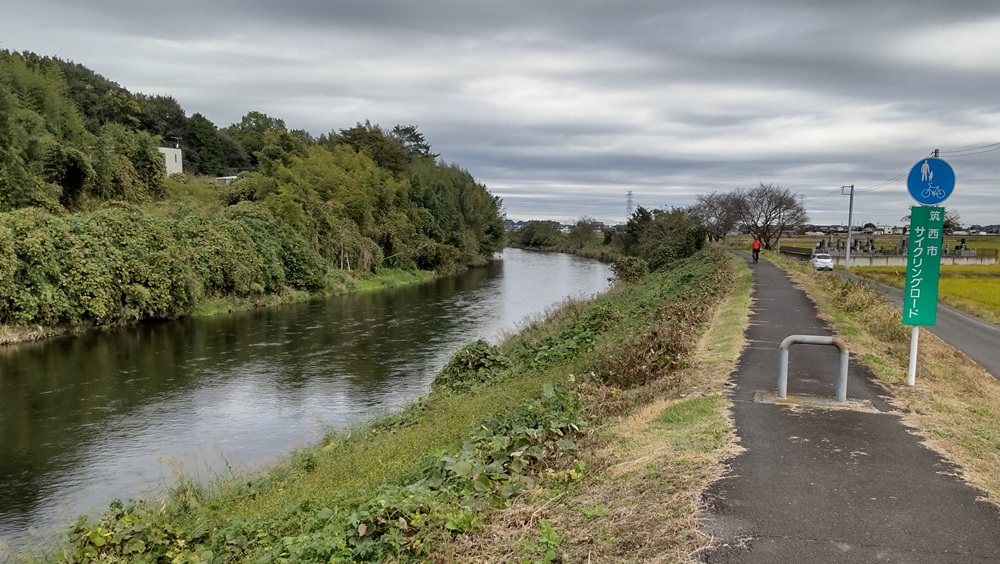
(92, 231)
(648, 241)
(658, 237)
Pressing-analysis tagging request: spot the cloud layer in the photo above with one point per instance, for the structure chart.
(561, 107)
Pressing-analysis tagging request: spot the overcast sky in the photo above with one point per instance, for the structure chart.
(562, 107)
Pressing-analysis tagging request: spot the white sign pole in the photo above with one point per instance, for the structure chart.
(911, 375)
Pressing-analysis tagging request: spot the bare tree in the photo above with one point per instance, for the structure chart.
(952, 221)
(768, 210)
(719, 213)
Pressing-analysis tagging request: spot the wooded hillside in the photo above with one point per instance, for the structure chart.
(92, 230)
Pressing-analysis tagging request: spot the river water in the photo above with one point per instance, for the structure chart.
(116, 415)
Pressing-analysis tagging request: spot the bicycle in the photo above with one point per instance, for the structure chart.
(756, 255)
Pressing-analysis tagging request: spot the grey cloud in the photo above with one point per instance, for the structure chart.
(562, 106)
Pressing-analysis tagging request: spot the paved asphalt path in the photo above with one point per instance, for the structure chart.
(977, 338)
(832, 485)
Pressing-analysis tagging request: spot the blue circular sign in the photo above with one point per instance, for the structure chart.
(931, 181)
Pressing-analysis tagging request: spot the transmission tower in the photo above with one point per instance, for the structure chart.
(629, 204)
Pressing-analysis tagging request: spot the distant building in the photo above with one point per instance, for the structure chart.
(172, 160)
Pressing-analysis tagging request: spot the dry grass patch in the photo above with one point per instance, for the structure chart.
(11, 334)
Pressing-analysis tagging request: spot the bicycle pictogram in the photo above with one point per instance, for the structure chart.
(932, 191)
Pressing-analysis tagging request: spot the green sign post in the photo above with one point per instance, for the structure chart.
(923, 265)
(923, 268)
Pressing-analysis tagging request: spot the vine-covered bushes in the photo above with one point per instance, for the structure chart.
(110, 266)
(475, 363)
(119, 265)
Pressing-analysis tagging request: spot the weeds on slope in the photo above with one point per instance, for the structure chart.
(651, 451)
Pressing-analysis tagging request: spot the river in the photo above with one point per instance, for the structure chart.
(121, 414)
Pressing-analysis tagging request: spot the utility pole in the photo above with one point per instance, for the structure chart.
(850, 225)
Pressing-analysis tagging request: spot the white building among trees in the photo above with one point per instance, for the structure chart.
(172, 160)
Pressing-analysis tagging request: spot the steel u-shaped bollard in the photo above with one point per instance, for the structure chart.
(813, 340)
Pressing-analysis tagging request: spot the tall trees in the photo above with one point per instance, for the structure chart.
(952, 220)
(663, 236)
(100, 100)
(362, 197)
(768, 210)
(126, 164)
(581, 232)
(204, 148)
(251, 131)
(413, 142)
(539, 233)
(388, 151)
(16, 182)
(163, 116)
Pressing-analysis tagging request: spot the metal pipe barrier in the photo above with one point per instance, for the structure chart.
(813, 340)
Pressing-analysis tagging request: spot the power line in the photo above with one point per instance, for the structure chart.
(974, 153)
(831, 192)
(957, 153)
(884, 184)
(978, 150)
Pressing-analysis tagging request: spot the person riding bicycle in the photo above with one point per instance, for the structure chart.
(756, 249)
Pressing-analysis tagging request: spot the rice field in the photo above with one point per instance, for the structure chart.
(971, 288)
(975, 289)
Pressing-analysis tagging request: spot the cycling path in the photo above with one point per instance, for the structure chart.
(817, 484)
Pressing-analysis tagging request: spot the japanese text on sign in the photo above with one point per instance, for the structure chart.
(923, 266)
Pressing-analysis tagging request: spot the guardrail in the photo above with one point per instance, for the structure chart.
(812, 340)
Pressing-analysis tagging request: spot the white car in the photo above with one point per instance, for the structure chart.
(822, 262)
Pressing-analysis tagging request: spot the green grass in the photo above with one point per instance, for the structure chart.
(338, 282)
(392, 278)
(696, 424)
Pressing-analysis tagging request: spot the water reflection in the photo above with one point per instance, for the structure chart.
(89, 419)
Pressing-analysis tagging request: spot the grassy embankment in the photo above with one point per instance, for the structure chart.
(590, 434)
(955, 405)
(593, 248)
(340, 283)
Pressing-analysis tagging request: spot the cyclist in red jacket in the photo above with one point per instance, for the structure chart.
(756, 249)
